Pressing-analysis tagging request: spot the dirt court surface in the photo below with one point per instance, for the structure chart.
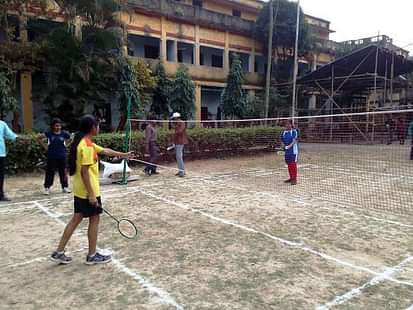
(231, 235)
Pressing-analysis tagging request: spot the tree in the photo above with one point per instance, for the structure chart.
(138, 83)
(233, 96)
(8, 102)
(182, 97)
(284, 31)
(160, 103)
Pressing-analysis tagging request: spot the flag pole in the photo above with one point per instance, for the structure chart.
(295, 73)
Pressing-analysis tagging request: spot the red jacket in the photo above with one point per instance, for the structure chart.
(180, 133)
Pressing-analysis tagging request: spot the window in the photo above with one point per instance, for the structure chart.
(236, 13)
(197, 3)
(217, 61)
(151, 52)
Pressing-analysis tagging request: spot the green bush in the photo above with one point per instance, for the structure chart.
(26, 155)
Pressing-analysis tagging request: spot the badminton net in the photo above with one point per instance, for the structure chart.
(361, 160)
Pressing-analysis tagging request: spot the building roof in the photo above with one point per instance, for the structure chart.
(356, 71)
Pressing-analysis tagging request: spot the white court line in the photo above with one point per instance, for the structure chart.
(293, 244)
(35, 260)
(63, 197)
(163, 297)
(389, 272)
(14, 210)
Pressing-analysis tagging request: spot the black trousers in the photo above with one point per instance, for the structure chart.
(411, 152)
(153, 156)
(52, 166)
(2, 164)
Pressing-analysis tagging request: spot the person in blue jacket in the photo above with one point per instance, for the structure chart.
(5, 133)
(290, 141)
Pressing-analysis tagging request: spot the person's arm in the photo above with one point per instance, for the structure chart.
(84, 172)
(294, 141)
(112, 153)
(68, 139)
(411, 129)
(41, 139)
(8, 133)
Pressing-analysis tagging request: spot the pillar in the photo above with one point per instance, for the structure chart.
(312, 102)
(251, 67)
(164, 51)
(26, 83)
(26, 100)
(198, 103)
(175, 51)
(197, 47)
(226, 52)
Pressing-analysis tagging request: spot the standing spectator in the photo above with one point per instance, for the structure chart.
(181, 140)
(411, 135)
(401, 130)
(389, 128)
(57, 139)
(290, 141)
(151, 147)
(5, 133)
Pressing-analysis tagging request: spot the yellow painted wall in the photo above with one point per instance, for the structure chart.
(249, 16)
(216, 7)
(175, 28)
(236, 39)
(212, 35)
(143, 21)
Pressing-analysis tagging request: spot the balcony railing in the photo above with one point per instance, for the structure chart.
(194, 14)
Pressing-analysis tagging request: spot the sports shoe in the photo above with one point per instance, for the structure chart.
(46, 191)
(98, 259)
(288, 181)
(60, 258)
(66, 190)
(5, 199)
(294, 182)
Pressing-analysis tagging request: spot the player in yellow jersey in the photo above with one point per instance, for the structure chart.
(84, 167)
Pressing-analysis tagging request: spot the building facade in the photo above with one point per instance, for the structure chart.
(202, 35)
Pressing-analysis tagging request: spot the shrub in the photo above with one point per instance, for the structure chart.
(26, 155)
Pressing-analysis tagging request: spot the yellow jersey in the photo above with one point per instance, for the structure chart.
(87, 155)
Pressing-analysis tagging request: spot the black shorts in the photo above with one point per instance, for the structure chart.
(83, 206)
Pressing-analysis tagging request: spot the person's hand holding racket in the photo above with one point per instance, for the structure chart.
(93, 201)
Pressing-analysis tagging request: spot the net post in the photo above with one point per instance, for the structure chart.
(126, 140)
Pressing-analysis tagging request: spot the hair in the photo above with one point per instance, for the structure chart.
(54, 122)
(86, 124)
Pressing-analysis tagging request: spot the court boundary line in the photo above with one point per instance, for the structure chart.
(355, 292)
(289, 243)
(163, 296)
(38, 259)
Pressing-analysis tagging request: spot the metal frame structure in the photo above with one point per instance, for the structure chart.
(372, 69)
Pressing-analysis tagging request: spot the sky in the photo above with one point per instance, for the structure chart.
(356, 19)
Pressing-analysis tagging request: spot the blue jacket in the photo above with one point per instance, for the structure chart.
(5, 133)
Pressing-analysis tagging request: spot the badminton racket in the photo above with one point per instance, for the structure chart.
(125, 227)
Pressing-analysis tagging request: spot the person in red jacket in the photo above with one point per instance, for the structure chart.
(180, 141)
(401, 130)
